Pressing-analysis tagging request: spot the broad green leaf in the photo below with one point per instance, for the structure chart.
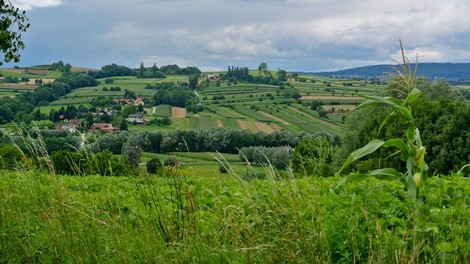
(410, 133)
(364, 151)
(406, 113)
(386, 174)
(409, 166)
(373, 100)
(385, 121)
(398, 143)
(415, 93)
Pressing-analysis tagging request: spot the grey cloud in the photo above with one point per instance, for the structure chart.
(289, 34)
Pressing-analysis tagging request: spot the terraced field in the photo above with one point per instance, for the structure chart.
(256, 107)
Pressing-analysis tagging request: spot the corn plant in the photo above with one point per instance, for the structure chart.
(410, 146)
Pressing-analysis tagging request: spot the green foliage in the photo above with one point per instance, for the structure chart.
(11, 158)
(153, 165)
(134, 146)
(172, 162)
(104, 163)
(67, 162)
(13, 23)
(224, 167)
(278, 158)
(189, 219)
(441, 115)
(410, 147)
(313, 156)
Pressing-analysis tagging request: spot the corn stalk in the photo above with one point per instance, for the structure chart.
(410, 146)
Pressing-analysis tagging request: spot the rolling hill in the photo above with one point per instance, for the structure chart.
(450, 71)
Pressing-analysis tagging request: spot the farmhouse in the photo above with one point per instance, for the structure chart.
(213, 78)
(123, 101)
(106, 127)
(75, 121)
(139, 101)
(67, 128)
(137, 118)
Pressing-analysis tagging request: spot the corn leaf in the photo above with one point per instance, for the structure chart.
(405, 112)
(398, 143)
(373, 100)
(386, 174)
(371, 147)
(415, 93)
(418, 138)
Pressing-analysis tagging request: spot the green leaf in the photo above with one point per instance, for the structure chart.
(386, 174)
(418, 138)
(412, 188)
(371, 147)
(373, 100)
(406, 113)
(415, 93)
(398, 143)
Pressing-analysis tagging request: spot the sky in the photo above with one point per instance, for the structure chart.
(294, 35)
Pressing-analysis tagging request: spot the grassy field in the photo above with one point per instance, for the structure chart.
(206, 164)
(184, 217)
(162, 111)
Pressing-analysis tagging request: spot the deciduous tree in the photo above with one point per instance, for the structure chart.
(13, 23)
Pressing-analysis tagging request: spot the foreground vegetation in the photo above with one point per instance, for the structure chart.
(48, 218)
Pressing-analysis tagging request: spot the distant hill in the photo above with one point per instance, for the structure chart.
(450, 71)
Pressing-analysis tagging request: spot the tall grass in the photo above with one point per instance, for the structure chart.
(175, 217)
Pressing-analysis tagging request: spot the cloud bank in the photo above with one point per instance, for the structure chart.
(298, 35)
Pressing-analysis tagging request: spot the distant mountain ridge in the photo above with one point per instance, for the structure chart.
(450, 71)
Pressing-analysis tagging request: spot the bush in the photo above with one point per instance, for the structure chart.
(153, 165)
(223, 167)
(313, 157)
(279, 158)
(171, 161)
(104, 163)
(10, 158)
(68, 162)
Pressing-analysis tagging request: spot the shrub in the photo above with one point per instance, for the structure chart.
(223, 167)
(171, 161)
(104, 163)
(313, 157)
(153, 165)
(10, 157)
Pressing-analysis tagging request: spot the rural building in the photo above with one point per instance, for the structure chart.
(213, 78)
(75, 121)
(123, 101)
(139, 101)
(106, 127)
(137, 118)
(67, 128)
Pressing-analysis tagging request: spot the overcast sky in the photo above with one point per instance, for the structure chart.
(295, 35)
